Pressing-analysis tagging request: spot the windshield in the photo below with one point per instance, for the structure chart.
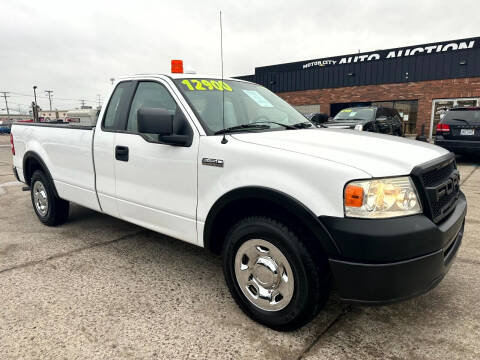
(354, 114)
(468, 116)
(245, 103)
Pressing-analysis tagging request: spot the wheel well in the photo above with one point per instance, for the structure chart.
(246, 202)
(31, 163)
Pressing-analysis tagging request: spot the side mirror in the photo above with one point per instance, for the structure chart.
(159, 121)
(154, 121)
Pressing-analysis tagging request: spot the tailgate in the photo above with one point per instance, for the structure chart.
(464, 132)
(462, 124)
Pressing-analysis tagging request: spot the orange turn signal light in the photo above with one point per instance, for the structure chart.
(353, 196)
(177, 67)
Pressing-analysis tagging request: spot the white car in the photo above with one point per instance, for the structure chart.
(227, 165)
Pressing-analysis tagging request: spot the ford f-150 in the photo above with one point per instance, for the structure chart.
(225, 164)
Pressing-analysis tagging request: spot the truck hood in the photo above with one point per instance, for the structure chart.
(376, 154)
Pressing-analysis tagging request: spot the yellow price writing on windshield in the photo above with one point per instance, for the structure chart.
(206, 85)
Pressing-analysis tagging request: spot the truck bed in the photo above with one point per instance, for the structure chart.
(66, 151)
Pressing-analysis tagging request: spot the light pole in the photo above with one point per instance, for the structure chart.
(112, 80)
(35, 110)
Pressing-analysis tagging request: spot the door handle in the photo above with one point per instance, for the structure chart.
(121, 153)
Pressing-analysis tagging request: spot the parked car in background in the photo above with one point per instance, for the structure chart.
(459, 130)
(368, 118)
(82, 117)
(5, 126)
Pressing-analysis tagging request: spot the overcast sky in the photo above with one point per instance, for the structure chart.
(75, 47)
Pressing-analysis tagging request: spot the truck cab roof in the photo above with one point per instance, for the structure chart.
(177, 76)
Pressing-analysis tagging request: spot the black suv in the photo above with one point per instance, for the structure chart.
(370, 118)
(459, 130)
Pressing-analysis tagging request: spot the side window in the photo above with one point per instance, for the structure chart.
(391, 113)
(380, 113)
(114, 105)
(396, 115)
(150, 95)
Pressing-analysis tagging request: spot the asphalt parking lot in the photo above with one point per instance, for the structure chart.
(98, 287)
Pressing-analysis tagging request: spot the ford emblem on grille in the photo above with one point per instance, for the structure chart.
(448, 186)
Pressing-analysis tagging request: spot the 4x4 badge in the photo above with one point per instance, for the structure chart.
(212, 162)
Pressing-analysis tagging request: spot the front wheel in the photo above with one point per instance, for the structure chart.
(272, 276)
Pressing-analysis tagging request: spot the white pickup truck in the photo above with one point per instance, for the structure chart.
(295, 210)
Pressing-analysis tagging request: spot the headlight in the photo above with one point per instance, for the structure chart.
(359, 127)
(381, 198)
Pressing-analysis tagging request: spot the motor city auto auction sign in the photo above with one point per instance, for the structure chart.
(432, 48)
(395, 53)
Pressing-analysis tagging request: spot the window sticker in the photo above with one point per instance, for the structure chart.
(258, 98)
(346, 110)
(205, 85)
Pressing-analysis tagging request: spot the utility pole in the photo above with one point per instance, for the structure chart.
(49, 92)
(82, 101)
(99, 100)
(112, 80)
(6, 102)
(35, 107)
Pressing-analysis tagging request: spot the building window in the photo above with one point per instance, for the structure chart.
(440, 107)
(407, 109)
(308, 109)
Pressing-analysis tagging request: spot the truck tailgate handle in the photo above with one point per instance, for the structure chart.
(121, 153)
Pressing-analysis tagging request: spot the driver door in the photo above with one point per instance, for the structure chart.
(156, 183)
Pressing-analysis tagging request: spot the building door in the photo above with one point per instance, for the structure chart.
(440, 107)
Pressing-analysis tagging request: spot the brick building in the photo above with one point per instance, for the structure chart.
(420, 81)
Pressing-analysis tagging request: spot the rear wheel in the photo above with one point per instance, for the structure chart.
(272, 276)
(50, 209)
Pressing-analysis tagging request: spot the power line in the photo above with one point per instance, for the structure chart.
(46, 97)
(6, 102)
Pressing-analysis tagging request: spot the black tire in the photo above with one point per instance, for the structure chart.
(310, 273)
(57, 209)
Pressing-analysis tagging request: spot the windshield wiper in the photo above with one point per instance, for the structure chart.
(286, 126)
(346, 120)
(251, 126)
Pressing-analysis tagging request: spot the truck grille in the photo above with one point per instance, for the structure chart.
(439, 184)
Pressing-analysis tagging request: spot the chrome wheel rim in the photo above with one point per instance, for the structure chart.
(40, 199)
(264, 275)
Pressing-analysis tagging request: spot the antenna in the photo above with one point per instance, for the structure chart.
(224, 139)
